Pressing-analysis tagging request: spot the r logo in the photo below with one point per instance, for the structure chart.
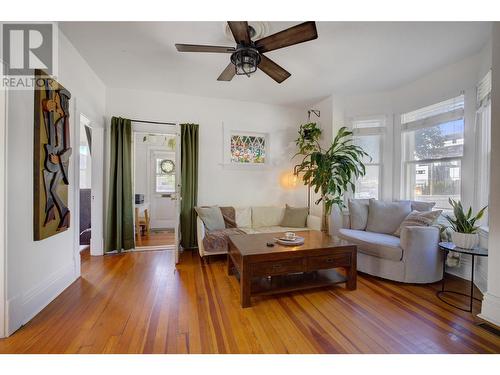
(27, 47)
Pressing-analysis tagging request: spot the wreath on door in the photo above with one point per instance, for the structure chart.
(167, 166)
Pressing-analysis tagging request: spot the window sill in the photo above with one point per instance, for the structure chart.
(484, 231)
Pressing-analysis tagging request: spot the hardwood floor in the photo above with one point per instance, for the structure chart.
(156, 238)
(140, 303)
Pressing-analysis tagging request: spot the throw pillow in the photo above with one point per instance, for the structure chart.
(418, 219)
(295, 217)
(211, 217)
(243, 217)
(358, 213)
(420, 206)
(386, 217)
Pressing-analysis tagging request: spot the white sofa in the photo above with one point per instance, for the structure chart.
(257, 220)
(413, 257)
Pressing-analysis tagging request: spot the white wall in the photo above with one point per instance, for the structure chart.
(38, 271)
(220, 184)
(491, 304)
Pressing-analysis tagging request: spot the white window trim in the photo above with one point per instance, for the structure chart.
(482, 139)
(370, 131)
(428, 122)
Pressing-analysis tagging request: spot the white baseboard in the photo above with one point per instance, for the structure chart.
(22, 308)
(490, 310)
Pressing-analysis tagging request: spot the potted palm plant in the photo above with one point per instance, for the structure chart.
(330, 172)
(464, 226)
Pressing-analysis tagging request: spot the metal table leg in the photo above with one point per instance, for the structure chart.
(471, 295)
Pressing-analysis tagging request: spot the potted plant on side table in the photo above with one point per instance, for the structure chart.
(465, 230)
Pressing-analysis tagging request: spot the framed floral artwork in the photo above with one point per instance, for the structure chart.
(248, 148)
(245, 149)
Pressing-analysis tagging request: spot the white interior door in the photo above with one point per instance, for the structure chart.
(97, 194)
(178, 197)
(162, 189)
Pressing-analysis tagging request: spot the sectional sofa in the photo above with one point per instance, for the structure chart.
(256, 220)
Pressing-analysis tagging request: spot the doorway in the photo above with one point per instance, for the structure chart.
(85, 186)
(89, 199)
(156, 184)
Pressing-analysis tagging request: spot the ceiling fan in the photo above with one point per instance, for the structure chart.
(249, 55)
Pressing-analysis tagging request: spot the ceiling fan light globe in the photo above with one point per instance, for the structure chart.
(246, 60)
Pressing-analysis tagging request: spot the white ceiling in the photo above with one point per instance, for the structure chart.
(347, 57)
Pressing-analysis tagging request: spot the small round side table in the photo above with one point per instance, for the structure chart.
(477, 251)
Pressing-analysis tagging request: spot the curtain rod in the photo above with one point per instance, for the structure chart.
(154, 122)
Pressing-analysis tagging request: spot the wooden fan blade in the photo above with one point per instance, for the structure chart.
(297, 34)
(202, 48)
(272, 69)
(228, 73)
(240, 31)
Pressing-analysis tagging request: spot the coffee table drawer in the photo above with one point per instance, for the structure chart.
(328, 261)
(278, 267)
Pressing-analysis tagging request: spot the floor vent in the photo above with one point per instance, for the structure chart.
(490, 328)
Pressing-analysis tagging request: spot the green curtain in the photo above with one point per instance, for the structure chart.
(120, 217)
(189, 184)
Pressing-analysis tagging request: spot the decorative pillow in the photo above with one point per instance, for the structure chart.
(243, 217)
(418, 219)
(420, 206)
(386, 217)
(267, 216)
(295, 217)
(211, 217)
(358, 213)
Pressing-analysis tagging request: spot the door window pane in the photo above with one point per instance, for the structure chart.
(165, 179)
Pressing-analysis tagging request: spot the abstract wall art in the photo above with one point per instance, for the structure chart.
(52, 153)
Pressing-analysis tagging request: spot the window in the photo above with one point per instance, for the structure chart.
(483, 146)
(433, 142)
(165, 176)
(368, 134)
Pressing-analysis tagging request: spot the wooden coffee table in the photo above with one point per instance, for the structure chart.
(266, 270)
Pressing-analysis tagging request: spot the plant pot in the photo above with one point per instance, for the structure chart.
(465, 240)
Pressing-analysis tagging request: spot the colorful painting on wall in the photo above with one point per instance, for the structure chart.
(248, 148)
(52, 153)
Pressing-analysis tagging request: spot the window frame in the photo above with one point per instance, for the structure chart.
(482, 135)
(427, 123)
(380, 131)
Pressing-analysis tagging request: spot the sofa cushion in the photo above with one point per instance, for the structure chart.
(243, 217)
(358, 213)
(295, 217)
(211, 217)
(267, 216)
(386, 217)
(420, 205)
(374, 244)
(418, 219)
